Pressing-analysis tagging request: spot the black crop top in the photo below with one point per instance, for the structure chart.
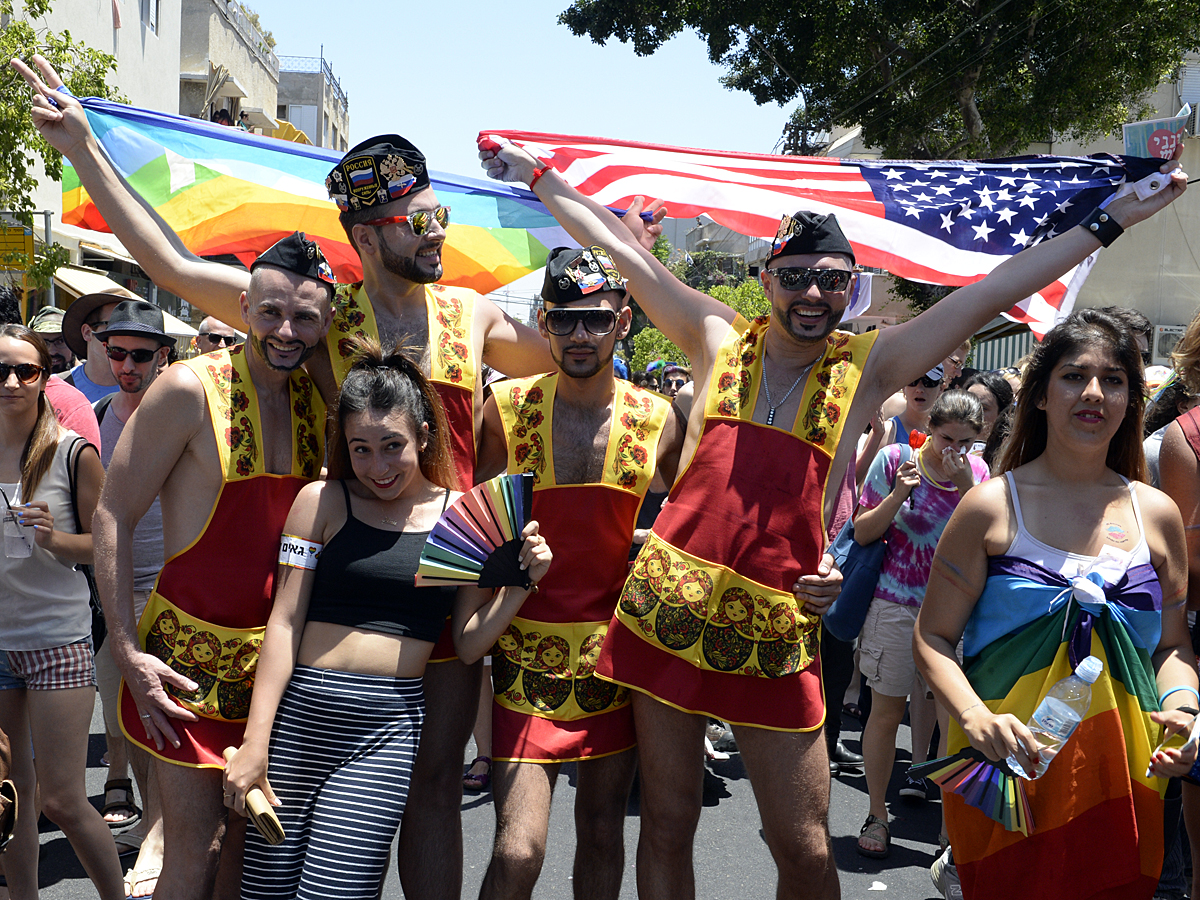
(365, 579)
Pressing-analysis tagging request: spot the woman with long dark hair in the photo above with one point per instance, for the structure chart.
(1063, 557)
(337, 704)
(48, 693)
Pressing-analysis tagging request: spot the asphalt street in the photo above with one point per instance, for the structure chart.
(732, 860)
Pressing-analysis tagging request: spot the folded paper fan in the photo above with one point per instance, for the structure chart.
(988, 786)
(478, 538)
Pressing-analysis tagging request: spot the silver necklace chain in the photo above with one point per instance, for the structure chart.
(782, 400)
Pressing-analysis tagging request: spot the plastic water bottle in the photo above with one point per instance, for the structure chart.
(1057, 716)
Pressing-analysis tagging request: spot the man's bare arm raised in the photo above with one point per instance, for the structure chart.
(61, 120)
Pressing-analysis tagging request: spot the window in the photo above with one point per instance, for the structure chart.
(149, 11)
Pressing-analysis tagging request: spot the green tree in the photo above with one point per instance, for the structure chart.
(83, 70)
(973, 78)
(650, 344)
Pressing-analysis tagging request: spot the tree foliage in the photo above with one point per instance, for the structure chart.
(925, 80)
(84, 70)
(650, 344)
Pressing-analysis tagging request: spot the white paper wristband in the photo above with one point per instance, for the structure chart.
(298, 553)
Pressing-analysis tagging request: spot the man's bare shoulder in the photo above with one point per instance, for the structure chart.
(176, 399)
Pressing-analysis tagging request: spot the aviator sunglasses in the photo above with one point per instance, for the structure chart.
(419, 221)
(139, 356)
(563, 321)
(798, 278)
(27, 373)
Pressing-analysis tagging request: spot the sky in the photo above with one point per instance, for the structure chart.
(440, 71)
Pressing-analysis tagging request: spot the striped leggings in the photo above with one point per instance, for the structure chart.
(342, 751)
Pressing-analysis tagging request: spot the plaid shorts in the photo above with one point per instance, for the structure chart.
(56, 668)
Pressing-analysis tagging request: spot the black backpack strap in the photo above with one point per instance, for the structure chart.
(100, 407)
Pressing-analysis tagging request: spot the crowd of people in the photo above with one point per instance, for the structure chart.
(282, 642)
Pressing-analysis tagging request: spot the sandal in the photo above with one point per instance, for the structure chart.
(476, 784)
(875, 829)
(128, 843)
(124, 805)
(852, 709)
(136, 877)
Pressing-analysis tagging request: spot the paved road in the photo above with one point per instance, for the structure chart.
(731, 859)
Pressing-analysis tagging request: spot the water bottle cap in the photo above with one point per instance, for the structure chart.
(1089, 669)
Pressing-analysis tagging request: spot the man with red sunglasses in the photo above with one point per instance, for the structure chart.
(397, 227)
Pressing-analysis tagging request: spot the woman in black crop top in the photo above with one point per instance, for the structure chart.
(337, 704)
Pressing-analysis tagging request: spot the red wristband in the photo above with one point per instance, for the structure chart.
(537, 173)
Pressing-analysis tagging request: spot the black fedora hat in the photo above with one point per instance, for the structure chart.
(138, 319)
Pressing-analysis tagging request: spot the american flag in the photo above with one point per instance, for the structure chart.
(947, 222)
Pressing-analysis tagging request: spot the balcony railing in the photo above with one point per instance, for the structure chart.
(314, 64)
(252, 36)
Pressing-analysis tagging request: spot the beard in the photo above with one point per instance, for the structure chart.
(260, 348)
(573, 370)
(143, 382)
(58, 364)
(407, 267)
(784, 320)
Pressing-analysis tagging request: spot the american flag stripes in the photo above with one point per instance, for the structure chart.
(947, 222)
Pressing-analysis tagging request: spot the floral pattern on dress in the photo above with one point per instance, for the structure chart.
(452, 341)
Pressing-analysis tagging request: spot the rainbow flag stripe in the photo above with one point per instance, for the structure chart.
(223, 190)
(1094, 794)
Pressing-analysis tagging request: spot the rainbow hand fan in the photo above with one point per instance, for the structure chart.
(988, 786)
(478, 538)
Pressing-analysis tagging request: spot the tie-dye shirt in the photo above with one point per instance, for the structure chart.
(913, 535)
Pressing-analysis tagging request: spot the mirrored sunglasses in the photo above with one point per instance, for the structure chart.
(27, 373)
(139, 356)
(563, 321)
(420, 221)
(798, 278)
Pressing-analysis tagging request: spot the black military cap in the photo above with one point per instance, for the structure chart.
(806, 232)
(379, 170)
(572, 274)
(296, 253)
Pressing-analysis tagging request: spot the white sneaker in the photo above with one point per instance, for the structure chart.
(944, 874)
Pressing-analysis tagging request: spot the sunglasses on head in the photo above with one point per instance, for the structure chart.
(927, 382)
(27, 373)
(562, 321)
(419, 222)
(798, 278)
(139, 356)
(227, 339)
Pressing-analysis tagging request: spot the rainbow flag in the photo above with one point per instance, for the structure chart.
(223, 190)
(1099, 819)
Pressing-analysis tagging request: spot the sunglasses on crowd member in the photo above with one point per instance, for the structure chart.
(798, 278)
(27, 373)
(562, 321)
(927, 382)
(139, 356)
(98, 325)
(675, 382)
(419, 221)
(218, 339)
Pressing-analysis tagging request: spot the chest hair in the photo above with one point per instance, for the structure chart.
(580, 442)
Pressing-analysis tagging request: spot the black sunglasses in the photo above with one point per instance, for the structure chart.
(27, 373)
(675, 382)
(227, 339)
(139, 356)
(798, 278)
(928, 382)
(563, 321)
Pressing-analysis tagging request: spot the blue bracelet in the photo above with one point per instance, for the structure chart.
(1183, 687)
